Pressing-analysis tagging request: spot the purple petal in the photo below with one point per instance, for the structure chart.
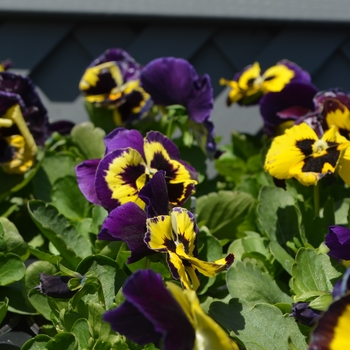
(200, 104)
(155, 195)
(55, 286)
(145, 290)
(127, 223)
(86, 173)
(338, 242)
(129, 68)
(297, 94)
(63, 127)
(129, 321)
(171, 148)
(342, 286)
(123, 138)
(305, 314)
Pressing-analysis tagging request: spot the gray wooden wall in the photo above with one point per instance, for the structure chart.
(54, 51)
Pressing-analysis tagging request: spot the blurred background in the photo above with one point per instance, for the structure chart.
(54, 41)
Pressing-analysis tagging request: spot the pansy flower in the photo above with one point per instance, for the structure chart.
(130, 161)
(299, 153)
(112, 81)
(172, 81)
(280, 110)
(167, 316)
(23, 123)
(249, 85)
(176, 235)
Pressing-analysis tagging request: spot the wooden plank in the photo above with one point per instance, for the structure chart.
(26, 43)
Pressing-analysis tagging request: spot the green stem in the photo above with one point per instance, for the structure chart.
(169, 130)
(317, 200)
(147, 263)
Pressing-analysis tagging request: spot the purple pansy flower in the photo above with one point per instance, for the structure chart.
(338, 242)
(293, 102)
(112, 81)
(172, 81)
(154, 313)
(129, 162)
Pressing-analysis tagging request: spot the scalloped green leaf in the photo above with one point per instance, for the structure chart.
(245, 281)
(312, 274)
(224, 211)
(259, 326)
(62, 341)
(37, 343)
(89, 140)
(278, 215)
(12, 268)
(72, 247)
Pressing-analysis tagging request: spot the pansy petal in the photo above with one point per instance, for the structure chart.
(168, 80)
(86, 172)
(332, 331)
(155, 137)
(127, 223)
(155, 195)
(123, 138)
(338, 242)
(276, 77)
(119, 177)
(55, 286)
(159, 236)
(178, 271)
(125, 317)
(200, 105)
(289, 149)
(159, 306)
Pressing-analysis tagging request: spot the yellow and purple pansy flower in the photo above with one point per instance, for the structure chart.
(301, 154)
(129, 162)
(332, 329)
(166, 316)
(112, 81)
(249, 85)
(23, 123)
(174, 81)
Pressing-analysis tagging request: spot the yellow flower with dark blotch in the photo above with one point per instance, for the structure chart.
(175, 234)
(249, 85)
(299, 153)
(17, 145)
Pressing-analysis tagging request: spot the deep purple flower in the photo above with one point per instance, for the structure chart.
(129, 162)
(304, 314)
(288, 105)
(172, 81)
(338, 242)
(111, 81)
(55, 286)
(153, 313)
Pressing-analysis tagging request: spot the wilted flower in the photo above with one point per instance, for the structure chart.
(153, 313)
(304, 314)
(129, 162)
(176, 235)
(172, 81)
(299, 153)
(112, 81)
(55, 286)
(338, 242)
(249, 85)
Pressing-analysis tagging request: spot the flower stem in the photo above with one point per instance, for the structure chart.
(169, 129)
(317, 200)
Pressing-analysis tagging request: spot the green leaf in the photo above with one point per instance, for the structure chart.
(53, 259)
(278, 215)
(13, 240)
(12, 268)
(312, 272)
(62, 341)
(253, 243)
(223, 212)
(99, 214)
(251, 284)
(108, 273)
(82, 333)
(37, 343)
(89, 140)
(322, 302)
(281, 256)
(72, 247)
(258, 326)
(100, 329)
(68, 199)
(102, 117)
(3, 308)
